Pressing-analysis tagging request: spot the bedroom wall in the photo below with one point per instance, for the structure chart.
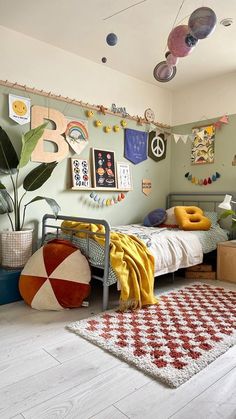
(37, 64)
(198, 105)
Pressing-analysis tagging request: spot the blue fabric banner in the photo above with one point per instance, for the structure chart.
(135, 145)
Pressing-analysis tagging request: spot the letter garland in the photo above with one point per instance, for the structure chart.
(102, 202)
(202, 182)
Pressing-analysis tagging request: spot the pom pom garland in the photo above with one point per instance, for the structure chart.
(102, 202)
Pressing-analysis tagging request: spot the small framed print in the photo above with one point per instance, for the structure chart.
(80, 173)
(104, 171)
(124, 178)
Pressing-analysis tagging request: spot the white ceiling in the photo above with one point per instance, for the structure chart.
(79, 26)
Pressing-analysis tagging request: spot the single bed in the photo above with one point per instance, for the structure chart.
(172, 248)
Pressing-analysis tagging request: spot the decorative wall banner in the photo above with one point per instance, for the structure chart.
(19, 109)
(124, 179)
(202, 182)
(38, 115)
(147, 186)
(203, 146)
(77, 134)
(156, 146)
(80, 173)
(135, 145)
(104, 173)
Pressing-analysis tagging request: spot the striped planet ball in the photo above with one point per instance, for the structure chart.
(57, 276)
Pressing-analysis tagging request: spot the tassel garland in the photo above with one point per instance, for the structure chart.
(202, 182)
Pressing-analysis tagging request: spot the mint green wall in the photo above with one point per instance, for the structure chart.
(225, 149)
(77, 203)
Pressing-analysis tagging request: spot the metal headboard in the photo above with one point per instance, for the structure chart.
(208, 201)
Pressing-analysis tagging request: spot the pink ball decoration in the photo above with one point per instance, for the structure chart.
(171, 60)
(176, 41)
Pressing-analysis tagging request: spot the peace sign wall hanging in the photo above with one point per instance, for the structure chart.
(156, 146)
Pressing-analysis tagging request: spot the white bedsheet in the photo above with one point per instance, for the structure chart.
(172, 249)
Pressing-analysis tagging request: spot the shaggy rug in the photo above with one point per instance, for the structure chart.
(171, 341)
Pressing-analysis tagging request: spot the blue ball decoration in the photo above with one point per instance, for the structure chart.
(202, 22)
(111, 39)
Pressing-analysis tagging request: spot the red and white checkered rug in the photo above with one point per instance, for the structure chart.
(171, 341)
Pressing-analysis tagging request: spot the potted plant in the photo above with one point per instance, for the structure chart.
(17, 244)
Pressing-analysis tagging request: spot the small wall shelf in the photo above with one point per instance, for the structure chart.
(100, 189)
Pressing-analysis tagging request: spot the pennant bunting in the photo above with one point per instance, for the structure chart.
(208, 130)
(184, 138)
(176, 137)
(224, 119)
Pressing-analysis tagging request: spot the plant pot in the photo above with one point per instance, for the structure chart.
(16, 248)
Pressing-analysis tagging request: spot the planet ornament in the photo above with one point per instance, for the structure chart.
(163, 72)
(202, 22)
(176, 41)
(111, 39)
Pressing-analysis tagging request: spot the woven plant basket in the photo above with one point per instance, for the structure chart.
(16, 248)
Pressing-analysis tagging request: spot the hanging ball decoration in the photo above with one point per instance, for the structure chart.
(176, 41)
(202, 22)
(190, 40)
(171, 59)
(217, 175)
(163, 72)
(104, 60)
(111, 39)
(186, 174)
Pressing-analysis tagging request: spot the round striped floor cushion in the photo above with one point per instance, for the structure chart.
(56, 277)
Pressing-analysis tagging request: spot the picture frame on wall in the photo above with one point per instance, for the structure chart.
(104, 169)
(203, 145)
(124, 176)
(80, 173)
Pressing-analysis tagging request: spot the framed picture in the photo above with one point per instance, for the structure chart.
(124, 178)
(80, 173)
(203, 145)
(104, 173)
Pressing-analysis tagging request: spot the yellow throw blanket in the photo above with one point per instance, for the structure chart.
(131, 261)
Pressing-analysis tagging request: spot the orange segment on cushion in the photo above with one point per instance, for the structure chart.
(192, 218)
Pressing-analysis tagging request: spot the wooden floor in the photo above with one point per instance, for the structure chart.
(48, 372)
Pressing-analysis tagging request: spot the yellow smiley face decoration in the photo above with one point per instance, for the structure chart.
(19, 107)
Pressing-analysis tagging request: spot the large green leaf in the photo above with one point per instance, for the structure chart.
(51, 202)
(8, 157)
(226, 213)
(38, 176)
(29, 142)
(6, 205)
(2, 186)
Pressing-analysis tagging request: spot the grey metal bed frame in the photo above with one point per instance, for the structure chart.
(207, 200)
(54, 225)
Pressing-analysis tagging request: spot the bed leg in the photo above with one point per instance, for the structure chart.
(173, 277)
(105, 297)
